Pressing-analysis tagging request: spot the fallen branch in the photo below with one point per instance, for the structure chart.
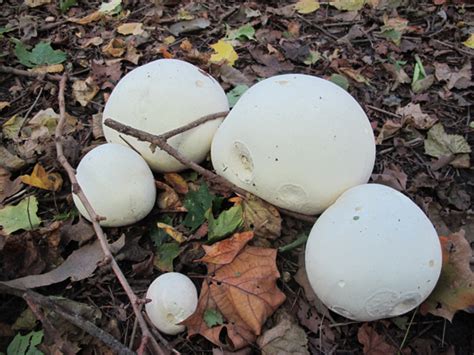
(134, 300)
(160, 141)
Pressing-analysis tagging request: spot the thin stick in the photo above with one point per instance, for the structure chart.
(21, 72)
(193, 124)
(160, 142)
(134, 300)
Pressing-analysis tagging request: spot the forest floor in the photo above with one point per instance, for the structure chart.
(407, 63)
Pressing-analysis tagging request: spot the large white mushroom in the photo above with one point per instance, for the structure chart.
(173, 299)
(297, 141)
(373, 254)
(163, 95)
(118, 184)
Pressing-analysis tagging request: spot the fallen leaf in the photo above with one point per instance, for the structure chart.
(115, 48)
(439, 143)
(4, 104)
(244, 291)
(420, 81)
(355, 75)
(177, 182)
(78, 266)
(48, 69)
(234, 95)
(10, 161)
(340, 80)
(165, 255)
(188, 26)
(394, 28)
(348, 5)
(94, 41)
(245, 32)
(36, 3)
(20, 216)
(469, 42)
(455, 288)
(84, 91)
(374, 343)
(172, 232)
(41, 179)
(388, 130)
(225, 251)
(41, 54)
(80, 232)
(7, 186)
(306, 6)
(286, 337)
(227, 222)
(261, 217)
(130, 28)
(392, 176)
(168, 199)
(111, 8)
(398, 73)
(12, 127)
(92, 17)
(412, 115)
(26, 344)
(197, 203)
(213, 317)
(459, 79)
(224, 51)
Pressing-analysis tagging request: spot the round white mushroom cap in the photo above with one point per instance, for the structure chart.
(373, 254)
(297, 141)
(163, 95)
(173, 299)
(118, 184)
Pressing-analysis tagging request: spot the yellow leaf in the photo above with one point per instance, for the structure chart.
(4, 104)
(169, 40)
(348, 5)
(41, 179)
(470, 41)
(173, 233)
(224, 51)
(306, 6)
(131, 28)
(48, 69)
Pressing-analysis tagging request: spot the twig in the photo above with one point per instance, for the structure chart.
(21, 72)
(134, 300)
(162, 144)
(193, 124)
(460, 50)
(383, 111)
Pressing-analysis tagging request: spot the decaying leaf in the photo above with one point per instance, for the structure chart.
(48, 69)
(225, 251)
(130, 28)
(197, 203)
(78, 266)
(165, 255)
(84, 91)
(168, 199)
(92, 17)
(394, 28)
(373, 342)
(244, 291)
(261, 217)
(21, 216)
(459, 79)
(36, 3)
(224, 52)
(188, 26)
(469, 42)
(41, 179)
(286, 337)
(172, 232)
(455, 288)
(306, 6)
(10, 161)
(4, 104)
(392, 176)
(348, 5)
(177, 183)
(7, 186)
(115, 48)
(413, 116)
(439, 143)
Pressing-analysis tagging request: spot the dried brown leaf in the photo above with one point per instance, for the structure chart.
(374, 343)
(261, 217)
(8, 187)
(413, 116)
(224, 252)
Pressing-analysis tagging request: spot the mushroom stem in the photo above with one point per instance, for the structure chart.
(147, 337)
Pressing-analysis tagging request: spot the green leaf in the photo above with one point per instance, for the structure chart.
(312, 58)
(227, 222)
(300, 240)
(197, 203)
(340, 80)
(26, 344)
(245, 32)
(42, 54)
(65, 5)
(157, 235)
(213, 317)
(21, 216)
(234, 95)
(439, 143)
(420, 81)
(165, 255)
(392, 34)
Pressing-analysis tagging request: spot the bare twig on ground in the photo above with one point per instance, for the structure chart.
(147, 337)
(160, 141)
(21, 72)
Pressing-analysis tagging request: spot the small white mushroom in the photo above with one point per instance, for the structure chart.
(118, 184)
(373, 254)
(163, 95)
(173, 299)
(297, 141)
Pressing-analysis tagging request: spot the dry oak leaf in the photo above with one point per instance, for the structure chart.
(244, 291)
(374, 343)
(455, 288)
(41, 179)
(84, 90)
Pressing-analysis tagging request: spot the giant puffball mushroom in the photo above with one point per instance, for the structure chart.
(160, 96)
(118, 184)
(297, 141)
(373, 254)
(173, 299)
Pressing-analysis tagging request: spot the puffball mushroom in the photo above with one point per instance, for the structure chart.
(297, 141)
(163, 95)
(173, 299)
(118, 184)
(373, 254)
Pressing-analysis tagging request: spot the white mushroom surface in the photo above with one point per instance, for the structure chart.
(373, 254)
(160, 96)
(297, 141)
